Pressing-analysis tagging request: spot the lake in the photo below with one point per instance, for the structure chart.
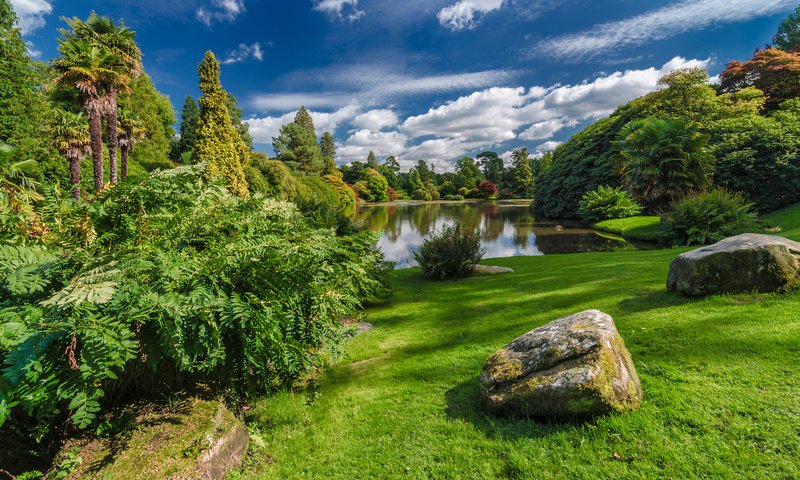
(508, 229)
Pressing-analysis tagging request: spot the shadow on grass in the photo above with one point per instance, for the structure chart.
(463, 403)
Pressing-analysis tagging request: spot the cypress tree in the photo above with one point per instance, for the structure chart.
(189, 117)
(218, 141)
(522, 173)
(328, 154)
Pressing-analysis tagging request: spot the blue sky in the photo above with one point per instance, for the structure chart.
(431, 79)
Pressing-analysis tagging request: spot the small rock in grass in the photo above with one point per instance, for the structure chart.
(575, 367)
(741, 264)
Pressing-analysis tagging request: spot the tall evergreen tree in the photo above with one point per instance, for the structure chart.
(328, 149)
(372, 160)
(218, 142)
(303, 118)
(189, 117)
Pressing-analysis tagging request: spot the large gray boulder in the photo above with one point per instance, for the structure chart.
(741, 264)
(575, 367)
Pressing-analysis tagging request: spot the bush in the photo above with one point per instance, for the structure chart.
(452, 253)
(453, 198)
(709, 217)
(487, 190)
(608, 203)
(168, 281)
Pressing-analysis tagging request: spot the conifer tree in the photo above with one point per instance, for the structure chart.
(218, 141)
(372, 160)
(328, 154)
(189, 118)
(303, 118)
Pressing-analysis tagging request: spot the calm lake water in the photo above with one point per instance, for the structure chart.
(507, 228)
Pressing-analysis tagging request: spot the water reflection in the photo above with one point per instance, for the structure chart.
(507, 230)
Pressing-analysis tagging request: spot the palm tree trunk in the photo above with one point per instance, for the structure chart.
(96, 135)
(75, 176)
(124, 165)
(113, 141)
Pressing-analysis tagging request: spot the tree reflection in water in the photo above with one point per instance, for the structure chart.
(507, 229)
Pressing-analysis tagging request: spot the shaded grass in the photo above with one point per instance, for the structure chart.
(646, 228)
(787, 218)
(722, 393)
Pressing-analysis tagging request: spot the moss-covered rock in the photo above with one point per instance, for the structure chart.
(187, 439)
(741, 264)
(575, 367)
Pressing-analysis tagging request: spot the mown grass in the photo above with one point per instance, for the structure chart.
(646, 228)
(722, 392)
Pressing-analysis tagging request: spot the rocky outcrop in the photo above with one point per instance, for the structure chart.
(575, 367)
(741, 264)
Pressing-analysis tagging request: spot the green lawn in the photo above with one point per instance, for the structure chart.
(720, 376)
(788, 219)
(647, 228)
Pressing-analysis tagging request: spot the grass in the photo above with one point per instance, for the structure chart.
(787, 218)
(646, 228)
(722, 394)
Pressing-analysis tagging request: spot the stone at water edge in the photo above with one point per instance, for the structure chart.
(741, 264)
(575, 367)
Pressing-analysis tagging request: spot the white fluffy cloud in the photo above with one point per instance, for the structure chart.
(342, 9)
(220, 10)
(376, 120)
(666, 22)
(484, 119)
(244, 52)
(31, 13)
(462, 14)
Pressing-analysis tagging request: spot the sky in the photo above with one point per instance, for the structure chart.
(425, 79)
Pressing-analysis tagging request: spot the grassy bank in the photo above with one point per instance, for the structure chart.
(719, 375)
(645, 228)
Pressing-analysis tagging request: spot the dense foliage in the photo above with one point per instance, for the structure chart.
(709, 217)
(451, 253)
(608, 203)
(167, 279)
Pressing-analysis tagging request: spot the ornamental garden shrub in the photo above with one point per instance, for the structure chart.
(709, 217)
(608, 203)
(451, 253)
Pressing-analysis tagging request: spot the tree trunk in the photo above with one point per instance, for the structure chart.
(113, 141)
(96, 135)
(123, 173)
(75, 176)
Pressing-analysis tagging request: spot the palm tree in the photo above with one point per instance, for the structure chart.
(71, 138)
(89, 68)
(101, 32)
(131, 130)
(664, 159)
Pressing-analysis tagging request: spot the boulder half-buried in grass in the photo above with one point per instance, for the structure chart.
(191, 438)
(741, 264)
(490, 270)
(572, 368)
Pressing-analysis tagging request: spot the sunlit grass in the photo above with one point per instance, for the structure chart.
(722, 393)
